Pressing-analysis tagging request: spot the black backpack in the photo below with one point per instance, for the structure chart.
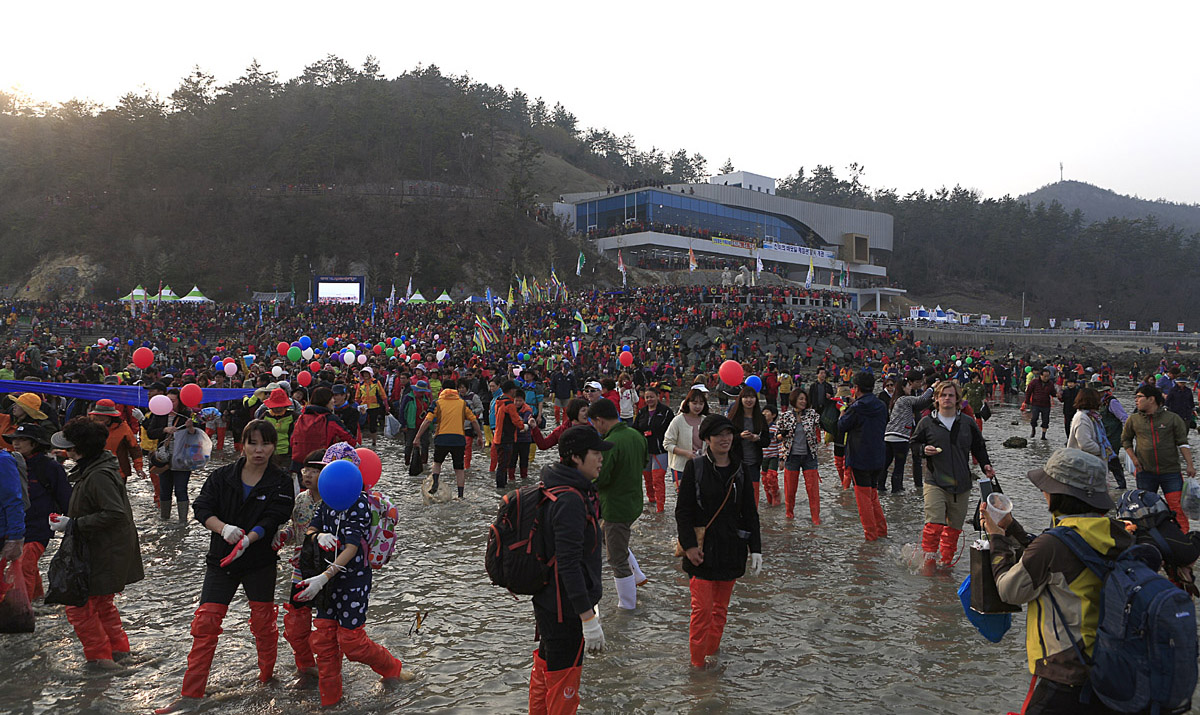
(516, 552)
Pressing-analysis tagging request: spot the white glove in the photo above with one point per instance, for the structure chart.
(593, 634)
(232, 534)
(58, 522)
(327, 542)
(308, 588)
(239, 548)
(755, 564)
(279, 539)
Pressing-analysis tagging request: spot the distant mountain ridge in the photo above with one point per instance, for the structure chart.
(1098, 204)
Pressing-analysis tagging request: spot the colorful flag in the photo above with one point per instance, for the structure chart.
(842, 279)
(579, 265)
(808, 280)
(392, 297)
(503, 318)
(691, 260)
(758, 264)
(582, 325)
(524, 289)
(621, 266)
(408, 293)
(491, 300)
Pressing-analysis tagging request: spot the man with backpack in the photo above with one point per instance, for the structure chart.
(567, 620)
(1079, 663)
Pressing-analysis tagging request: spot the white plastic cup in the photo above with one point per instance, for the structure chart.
(998, 506)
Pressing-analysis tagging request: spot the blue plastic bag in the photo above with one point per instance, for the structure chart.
(992, 626)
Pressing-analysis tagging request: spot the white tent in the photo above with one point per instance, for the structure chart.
(138, 293)
(165, 294)
(195, 296)
(444, 298)
(417, 298)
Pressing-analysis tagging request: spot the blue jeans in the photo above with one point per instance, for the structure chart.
(800, 462)
(173, 480)
(1151, 481)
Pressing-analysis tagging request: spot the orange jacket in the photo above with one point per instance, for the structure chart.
(122, 443)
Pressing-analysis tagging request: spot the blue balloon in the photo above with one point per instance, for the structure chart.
(248, 359)
(626, 349)
(316, 351)
(305, 342)
(754, 382)
(131, 343)
(340, 484)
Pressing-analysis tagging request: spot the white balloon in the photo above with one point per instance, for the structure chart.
(307, 353)
(441, 354)
(348, 358)
(362, 359)
(276, 371)
(102, 342)
(230, 369)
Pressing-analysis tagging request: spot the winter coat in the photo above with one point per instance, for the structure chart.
(863, 424)
(733, 534)
(1086, 428)
(104, 521)
(788, 424)
(1046, 567)
(317, 428)
(571, 529)
(12, 500)
(653, 426)
(269, 506)
(1159, 437)
(49, 493)
(950, 469)
(1039, 393)
(620, 480)
(904, 414)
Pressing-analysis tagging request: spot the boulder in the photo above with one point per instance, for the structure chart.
(1016, 442)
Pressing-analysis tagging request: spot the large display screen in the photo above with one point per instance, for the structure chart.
(339, 289)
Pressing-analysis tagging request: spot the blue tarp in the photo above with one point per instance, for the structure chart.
(120, 394)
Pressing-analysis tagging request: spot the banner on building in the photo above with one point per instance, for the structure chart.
(1003, 320)
(1133, 325)
(1052, 322)
(1027, 322)
(984, 319)
(1154, 327)
(1179, 327)
(789, 248)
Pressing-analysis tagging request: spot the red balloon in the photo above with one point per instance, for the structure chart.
(370, 466)
(304, 377)
(191, 395)
(415, 357)
(314, 366)
(731, 373)
(143, 358)
(282, 348)
(227, 360)
(329, 342)
(377, 349)
(626, 359)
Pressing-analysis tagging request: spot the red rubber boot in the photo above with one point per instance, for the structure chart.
(206, 629)
(791, 480)
(771, 487)
(264, 624)
(660, 488)
(931, 536)
(846, 475)
(297, 629)
(1175, 501)
(881, 530)
(221, 438)
(812, 482)
(866, 512)
(329, 660)
(648, 478)
(562, 690)
(537, 686)
(949, 546)
(361, 649)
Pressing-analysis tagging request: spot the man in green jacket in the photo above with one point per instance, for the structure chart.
(620, 487)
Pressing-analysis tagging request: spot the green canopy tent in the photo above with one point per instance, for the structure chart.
(417, 298)
(165, 295)
(138, 293)
(195, 296)
(444, 298)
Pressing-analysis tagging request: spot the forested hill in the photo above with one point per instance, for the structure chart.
(247, 184)
(953, 240)
(1098, 204)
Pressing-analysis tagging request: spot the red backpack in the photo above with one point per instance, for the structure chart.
(316, 430)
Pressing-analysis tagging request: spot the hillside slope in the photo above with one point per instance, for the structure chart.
(1098, 204)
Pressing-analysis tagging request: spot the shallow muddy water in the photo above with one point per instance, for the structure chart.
(833, 624)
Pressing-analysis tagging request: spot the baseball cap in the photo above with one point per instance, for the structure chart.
(578, 440)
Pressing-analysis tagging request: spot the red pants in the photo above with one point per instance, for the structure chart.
(297, 629)
(710, 607)
(29, 567)
(467, 452)
(656, 487)
(98, 626)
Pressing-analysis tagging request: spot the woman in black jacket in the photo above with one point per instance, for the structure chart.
(652, 421)
(171, 480)
(714, 492)
(242, 504)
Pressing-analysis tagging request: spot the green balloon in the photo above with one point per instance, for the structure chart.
(294, 354)
(969, 361)
(1028, 369)
(937, 362)
(390, 351)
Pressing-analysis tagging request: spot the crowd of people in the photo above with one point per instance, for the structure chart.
(632, 424)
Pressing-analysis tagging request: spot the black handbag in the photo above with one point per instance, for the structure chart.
(313, 561)
(985, 597)
(985, 412)
(69, 575)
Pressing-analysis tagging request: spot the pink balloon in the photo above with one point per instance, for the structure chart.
(230, 369)
(362, 359)
(160, 405)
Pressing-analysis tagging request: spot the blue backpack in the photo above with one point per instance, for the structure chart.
(1146, 648)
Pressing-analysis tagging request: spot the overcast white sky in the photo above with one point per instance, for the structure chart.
(991, 96)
